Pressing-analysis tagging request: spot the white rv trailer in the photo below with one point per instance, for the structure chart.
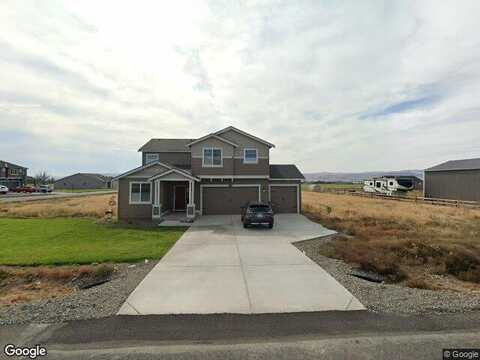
(388, 186)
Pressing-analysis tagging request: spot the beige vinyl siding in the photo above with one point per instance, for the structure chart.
(246, 142)
(197, 149)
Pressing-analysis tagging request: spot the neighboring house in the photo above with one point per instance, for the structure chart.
(83, 181)
(214, 174)
(417, 182)
(12, 175)
(457, 180)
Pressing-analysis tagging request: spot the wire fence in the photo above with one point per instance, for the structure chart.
(416, 199)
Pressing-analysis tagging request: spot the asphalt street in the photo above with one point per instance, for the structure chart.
(326, 335)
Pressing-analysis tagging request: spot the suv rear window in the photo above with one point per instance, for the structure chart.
(259, 208)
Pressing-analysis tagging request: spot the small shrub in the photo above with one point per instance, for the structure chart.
(103, 271)
(461, 261)
(328, 250)
(418, 283)
(4, 275)
(85, 271)
(54, 273)
(472, 275)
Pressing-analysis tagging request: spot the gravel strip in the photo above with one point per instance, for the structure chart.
(96, 302)
(389, 298)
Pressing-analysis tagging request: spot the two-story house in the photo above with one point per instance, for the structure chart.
(215, 174)
(12, 175)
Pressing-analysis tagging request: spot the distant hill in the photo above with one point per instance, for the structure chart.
(358, 177)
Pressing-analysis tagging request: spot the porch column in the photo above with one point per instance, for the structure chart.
(191, 199)
(156, 207)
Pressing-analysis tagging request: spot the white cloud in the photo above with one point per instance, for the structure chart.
(333, 85)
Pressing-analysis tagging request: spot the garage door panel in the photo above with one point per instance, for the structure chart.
(284, 199)
(227, 200)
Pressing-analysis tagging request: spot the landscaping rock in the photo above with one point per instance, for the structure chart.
(94, 302)
(368, 275)
(391, 298)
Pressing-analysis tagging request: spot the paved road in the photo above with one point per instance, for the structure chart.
(55, 195)
(315, 335)
(217, 266)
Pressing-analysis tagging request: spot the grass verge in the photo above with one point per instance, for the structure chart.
(80, 241)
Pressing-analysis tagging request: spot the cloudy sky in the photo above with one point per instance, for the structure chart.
(336, 85)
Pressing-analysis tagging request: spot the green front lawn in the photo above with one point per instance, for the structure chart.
(80, 241)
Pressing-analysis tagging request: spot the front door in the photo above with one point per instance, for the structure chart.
(180, 198)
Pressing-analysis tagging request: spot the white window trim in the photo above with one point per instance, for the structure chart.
(139, 202)
(149, 162)
(203, 157)
(245, 156)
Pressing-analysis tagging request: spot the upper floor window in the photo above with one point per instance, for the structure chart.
(250, 156)
(13, 171)
(150, 158)
(140, 193)
(212, 157)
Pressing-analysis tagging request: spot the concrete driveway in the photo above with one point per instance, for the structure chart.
(217, 266)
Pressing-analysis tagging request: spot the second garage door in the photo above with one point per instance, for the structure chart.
(227, 200)
(284, 199)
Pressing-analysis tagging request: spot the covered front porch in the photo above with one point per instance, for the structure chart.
(173, 196)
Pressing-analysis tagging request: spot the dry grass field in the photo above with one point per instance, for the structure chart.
(86, 206)
(31, 283)
(419, 245)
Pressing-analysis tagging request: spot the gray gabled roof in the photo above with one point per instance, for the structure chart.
(99, 177)
(466, 164)
(166, 145)
(285, 172)
(233, 128)
(11, 164)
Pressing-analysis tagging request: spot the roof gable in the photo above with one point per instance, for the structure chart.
(206, 137)
(141, 169)
(3, 163)
(168, 174)
(290, 172)
(232, 128)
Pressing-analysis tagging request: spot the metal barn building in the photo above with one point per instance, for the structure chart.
(456, 179)
(84, 181)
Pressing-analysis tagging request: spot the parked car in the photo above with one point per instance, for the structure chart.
(257, 213)
(3, 189)
(24, 189)
(44, 189)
